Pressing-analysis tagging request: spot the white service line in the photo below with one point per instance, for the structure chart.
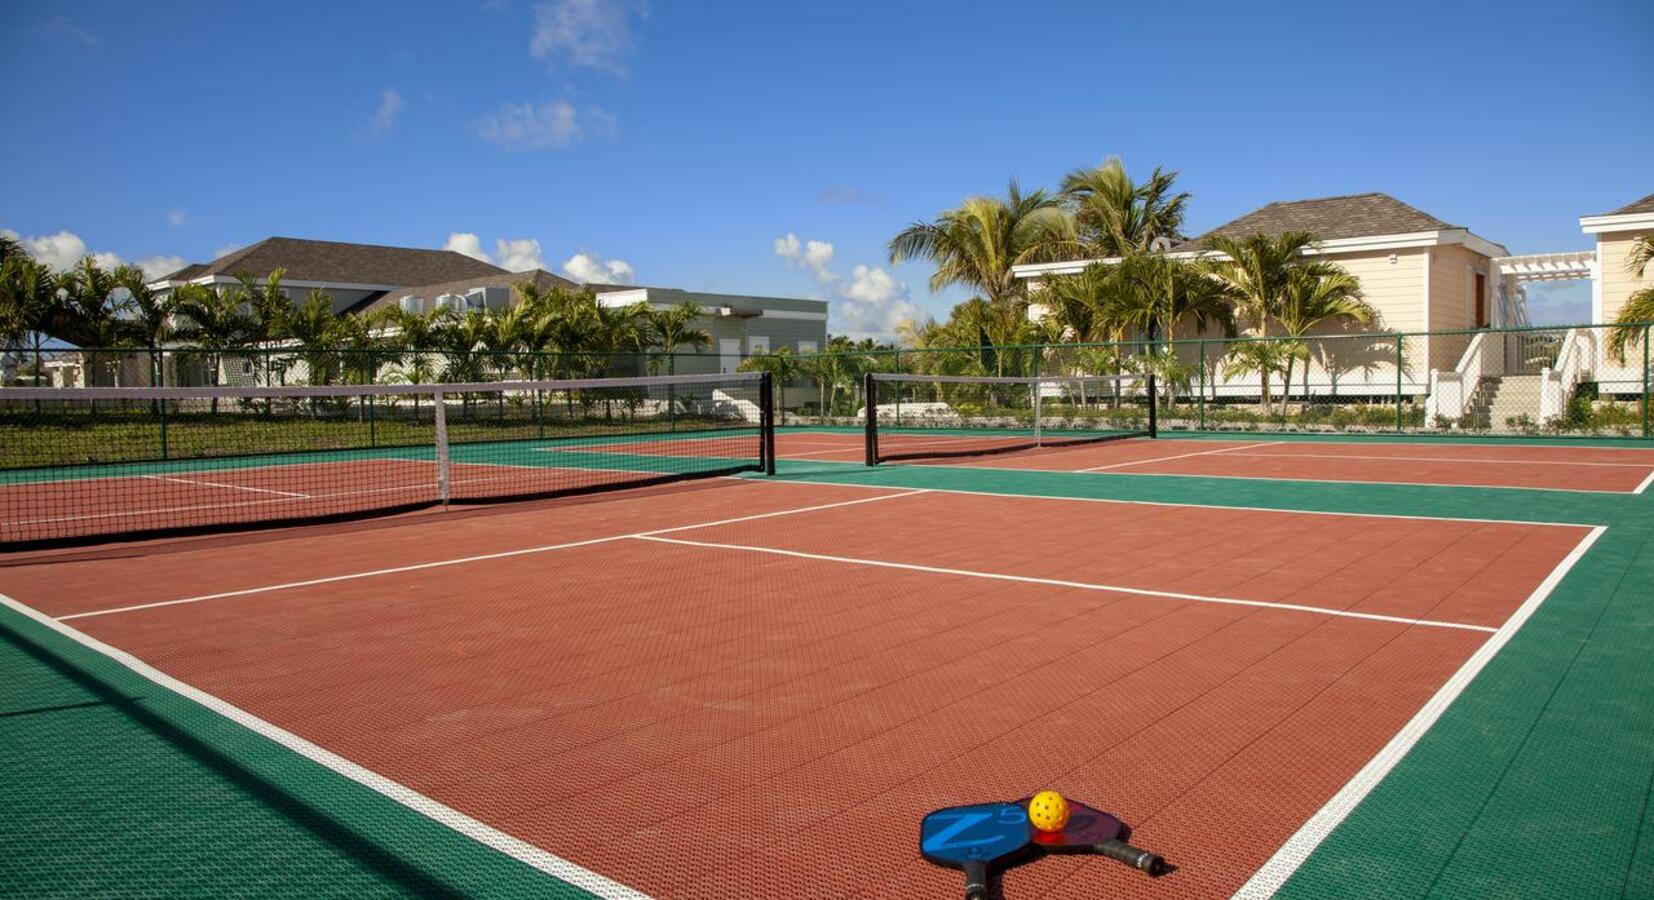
(1081, 585)
(1641, 488)
(438, 812)
(220, 484)
(787, 454)
(504, 554)
(1441, 459)
(1139, 462)
(1274, 873)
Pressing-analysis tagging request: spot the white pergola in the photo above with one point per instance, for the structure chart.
(1509, 273)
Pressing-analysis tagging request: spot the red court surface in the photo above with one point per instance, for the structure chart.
(1554, 467)
(228, 496)
(756, 689)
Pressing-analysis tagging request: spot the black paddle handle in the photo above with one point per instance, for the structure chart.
(976, 880)
(1120, 851)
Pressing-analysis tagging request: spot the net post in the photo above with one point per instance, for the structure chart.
(443, 481)
(1034, 386)
(766, 422)
(161, 416)
(1647, 330)
(1154, 391)
(870, 410)
(1202, 424)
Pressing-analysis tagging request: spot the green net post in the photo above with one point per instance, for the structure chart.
(1399, 363)
(1647, 331)
(1202, 424)
(671, 392)
(161, 419)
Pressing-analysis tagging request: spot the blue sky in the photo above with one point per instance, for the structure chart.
(679, 144)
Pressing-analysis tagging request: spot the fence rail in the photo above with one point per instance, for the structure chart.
(1543, 380)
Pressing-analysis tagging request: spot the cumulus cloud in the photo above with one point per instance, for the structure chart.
(589, 268)
(390, 103)
(813, 256)
(65, 249)
(516, 254)
(468, 244)
(870, 302)
(519, 255)
(546, 125)
(593, 34)
(176, 218)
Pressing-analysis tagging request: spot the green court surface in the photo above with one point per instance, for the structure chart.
(1536, 782)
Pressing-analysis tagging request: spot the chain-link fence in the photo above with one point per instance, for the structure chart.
(1585, 380)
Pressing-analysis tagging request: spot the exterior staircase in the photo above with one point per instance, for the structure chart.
(1498, 399)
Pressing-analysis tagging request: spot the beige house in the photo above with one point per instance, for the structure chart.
(1615, 232)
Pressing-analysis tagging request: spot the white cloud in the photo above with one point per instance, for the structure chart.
(176, 218)
(811, 255)
(65, 249)
(468, 244)
(589, 268)
(518, 255)
(156, 266)
(594, 34)
(546, 125)
(390, 103)
(871, 302)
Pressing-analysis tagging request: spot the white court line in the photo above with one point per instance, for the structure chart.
(1278, 480)
(1176, 504)
(1274, 873)
(504, 554)
(442, 814)
(1081, 585)
(220, 484)
(1139, 462)
(782, 454)
(1646, 482)
(1446, 459)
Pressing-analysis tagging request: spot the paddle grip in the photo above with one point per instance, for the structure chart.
(976, 880)
(1120, 851)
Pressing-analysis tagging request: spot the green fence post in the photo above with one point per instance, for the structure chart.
(1201, 424)
(1647, 330)
(161, 414)
(1400, 362)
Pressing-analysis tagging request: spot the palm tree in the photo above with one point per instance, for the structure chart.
(33, 304)
(976, 245)
(316, 329)
(213, 321)
(672, 328)
(92, 303)
(148, 315)
(1264, 357)
(1115, 217)
(1256, 271)
(1638, 311)
(783, 367)
(1317, 293)
(267, 310)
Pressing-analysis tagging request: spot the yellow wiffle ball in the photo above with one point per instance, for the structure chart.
(1048, 811)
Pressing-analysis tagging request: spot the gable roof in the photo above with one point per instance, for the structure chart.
(1329, 218)
(1645, 205)
(540, 277)
(342, 263)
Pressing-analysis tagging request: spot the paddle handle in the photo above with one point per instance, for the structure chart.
(1120, 851)
(976, 880)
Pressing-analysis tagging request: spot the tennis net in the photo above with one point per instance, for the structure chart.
(938, 416)
(84, 464)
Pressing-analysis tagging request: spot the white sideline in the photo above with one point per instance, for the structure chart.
(1645, 483)
(1080, 585)
(504, 554)
(441, 813)
(1441, 459)
(220, 484)
(1278, 868)
(1142, 462)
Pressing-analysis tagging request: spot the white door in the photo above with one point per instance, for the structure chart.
(729, 354)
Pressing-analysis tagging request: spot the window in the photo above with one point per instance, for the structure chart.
(806, 346)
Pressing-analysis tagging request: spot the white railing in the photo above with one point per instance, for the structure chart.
(1574, 361)
(1451, 392)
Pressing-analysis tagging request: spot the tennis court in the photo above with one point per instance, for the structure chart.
(755, 686)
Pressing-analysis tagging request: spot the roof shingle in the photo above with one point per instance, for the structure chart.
(1328, 218)
(343, 263)
(1644, 205)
